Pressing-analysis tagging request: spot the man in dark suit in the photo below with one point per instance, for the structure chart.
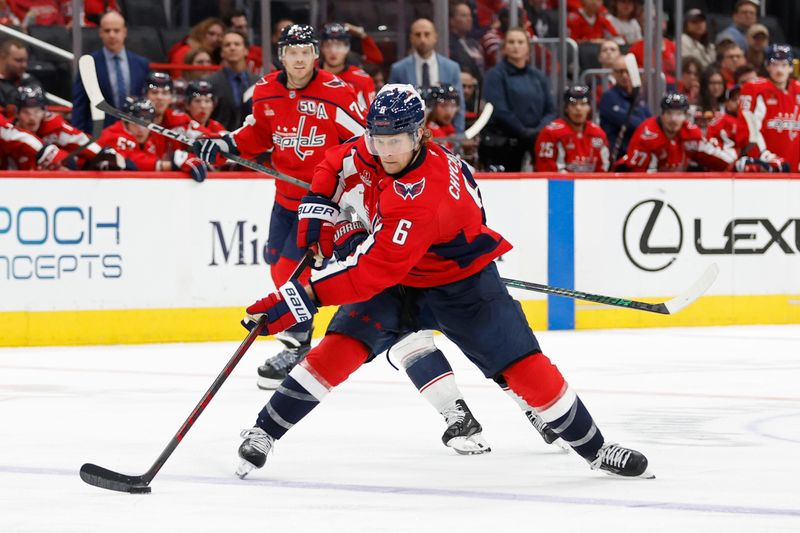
(232, 81)
(424, 68)
(120, 73)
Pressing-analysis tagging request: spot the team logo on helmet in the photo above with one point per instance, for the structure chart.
(411, 190)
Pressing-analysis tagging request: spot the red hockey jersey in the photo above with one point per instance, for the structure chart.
(777, 114)
(559, 148)
(362, 84)
(143, 156)
(18, 148)
(723, 131)
(583, 28)
(177, 121)
(428, 226)
(650, 150)
(55, 130)
(298, 125)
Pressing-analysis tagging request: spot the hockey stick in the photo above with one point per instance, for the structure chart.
(636, 83)
(108, 479)
(670, 307)
(474, 130)
(90, 83)
(753, 134)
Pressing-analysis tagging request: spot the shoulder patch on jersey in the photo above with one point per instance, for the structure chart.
(597, 142)
(335, 83)
(411, 190)
(360, 72)
(647, 134)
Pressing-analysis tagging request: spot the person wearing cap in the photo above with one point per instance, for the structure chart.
(757, 42)
(120, 72)
(695, 41)
(573, 143)
(334, 48)
(773, 104)
(745, 14)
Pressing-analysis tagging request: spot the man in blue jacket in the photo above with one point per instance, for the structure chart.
(120, 73)
(614, 107)
(425, 69)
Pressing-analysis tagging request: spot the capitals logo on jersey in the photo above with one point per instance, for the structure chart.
(296, 140)
(411, 190)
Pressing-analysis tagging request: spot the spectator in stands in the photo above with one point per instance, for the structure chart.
(745, 73)
(199, 104)
(120, 73)
(465, 50)
(745, 14)
(609, 52)
(492, 40)
(624, 15)
(573, 143)
(231, 83)
(541, 18)
(334, 48)
(141, 150)
(198, 56)
(93, 10)
(206, 34)
(588, 24)
(615, 104)
(731, 57)
(370, 53)
(470, 85)
(695, 41)
(668, 57)
(523, 105)
(689, 83)
(7, 16)
(237, 20)
(38, 12)
(13, 67)
(757, 42)
(712, 89)
(425, 68)
(51, 128)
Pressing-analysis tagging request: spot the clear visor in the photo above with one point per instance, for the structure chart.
(392, 145)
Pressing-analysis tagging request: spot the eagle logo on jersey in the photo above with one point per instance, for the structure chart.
(647, 134)
(335, 83)
(411, 190)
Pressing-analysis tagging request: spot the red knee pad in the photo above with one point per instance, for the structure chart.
(536, 379)
(335, 358)
(284, 268)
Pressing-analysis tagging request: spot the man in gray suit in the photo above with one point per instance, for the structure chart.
(232, 81)
(424, 68)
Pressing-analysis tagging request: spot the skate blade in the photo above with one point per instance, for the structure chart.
(647, 474)
(473, 445)
(562, 445)
(267, 383)
(244, 468)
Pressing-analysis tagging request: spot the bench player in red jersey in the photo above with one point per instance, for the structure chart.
(427, 264)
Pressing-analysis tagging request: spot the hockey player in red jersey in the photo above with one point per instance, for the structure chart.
(774, 105)
(573, 143)
(334, 48)
(298, 113)
(723, 129)
(428, 264)
(159, 90)
(135, 143)
(441, 102)
(22, 150)
(51, 128)
(669, 143)
(200, 100)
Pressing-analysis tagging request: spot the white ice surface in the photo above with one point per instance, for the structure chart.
(716, 410)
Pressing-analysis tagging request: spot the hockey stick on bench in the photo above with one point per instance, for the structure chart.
(670, 307)
(90, 83)
(108, 479)
(474, 130)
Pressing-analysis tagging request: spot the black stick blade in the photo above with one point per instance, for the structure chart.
(107, 479)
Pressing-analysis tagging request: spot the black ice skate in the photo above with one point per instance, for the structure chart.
(624, 462)
(277, 367)
(253, 451)
(548, 435)
(463, 432)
